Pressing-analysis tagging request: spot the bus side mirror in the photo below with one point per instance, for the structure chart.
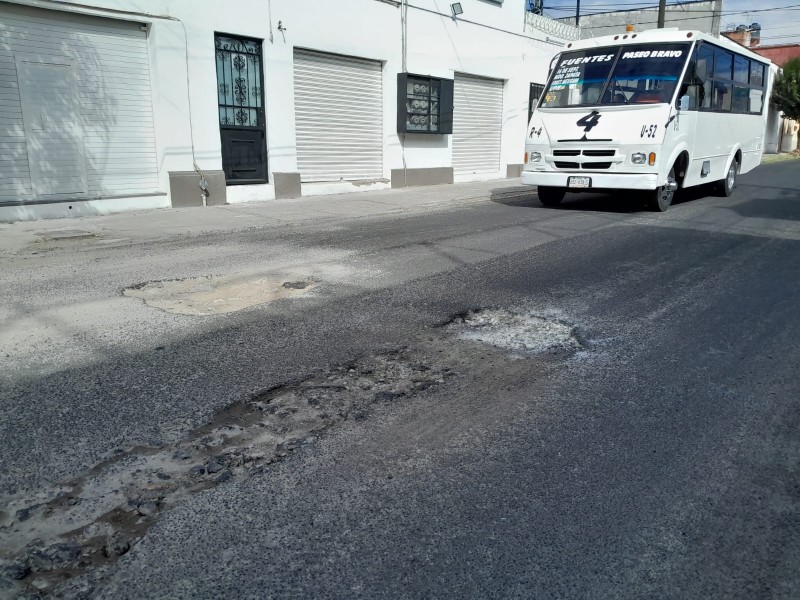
(683, 103)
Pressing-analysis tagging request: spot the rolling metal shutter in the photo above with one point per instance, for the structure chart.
(76, 117)
(477, 124)
(339, 117)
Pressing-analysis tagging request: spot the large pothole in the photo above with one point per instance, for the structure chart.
(214, 295)
(91, 520)
(519, 332)
(62, 536)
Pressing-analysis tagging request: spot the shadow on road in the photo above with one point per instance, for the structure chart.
(621, 202)
(781, 204)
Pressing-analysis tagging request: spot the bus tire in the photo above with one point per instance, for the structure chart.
(726, 186)
(550, 196)
(661, 198)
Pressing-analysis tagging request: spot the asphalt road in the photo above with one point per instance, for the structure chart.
(661, 460)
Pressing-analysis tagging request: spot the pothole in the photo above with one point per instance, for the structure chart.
(519, 332)
(87, 523)
(214, 295)
(67, 234)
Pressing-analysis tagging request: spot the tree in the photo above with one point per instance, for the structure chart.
(786, 90)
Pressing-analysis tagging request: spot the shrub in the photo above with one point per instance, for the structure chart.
(786, 90)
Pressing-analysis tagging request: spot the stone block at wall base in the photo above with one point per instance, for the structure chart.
(287, 185)
(413, 177)
(184, 188)
(513, 171)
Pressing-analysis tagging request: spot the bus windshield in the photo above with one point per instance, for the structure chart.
(640, 74)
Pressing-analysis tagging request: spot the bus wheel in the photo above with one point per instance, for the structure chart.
(661, 197)
(550, 196)
(725, 186)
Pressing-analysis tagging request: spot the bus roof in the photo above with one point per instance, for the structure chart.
(672, 34)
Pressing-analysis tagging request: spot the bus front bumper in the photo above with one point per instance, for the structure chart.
(600, 181)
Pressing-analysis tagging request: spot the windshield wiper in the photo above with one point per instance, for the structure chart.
(621, 92)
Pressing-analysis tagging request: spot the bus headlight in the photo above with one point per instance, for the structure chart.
(639, 158)
(536, 156)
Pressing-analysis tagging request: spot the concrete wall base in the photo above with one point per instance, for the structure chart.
(513, 171)
(185, 189)
(33, 211)
(429, 176)
(287, 185)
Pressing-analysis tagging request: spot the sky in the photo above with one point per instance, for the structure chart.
(779, 19)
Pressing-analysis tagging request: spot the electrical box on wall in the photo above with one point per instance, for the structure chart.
(424, 104)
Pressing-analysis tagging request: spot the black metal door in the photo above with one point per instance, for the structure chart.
(242, 122)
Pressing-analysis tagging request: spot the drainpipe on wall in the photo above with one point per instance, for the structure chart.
(404, 60)
(269, 16)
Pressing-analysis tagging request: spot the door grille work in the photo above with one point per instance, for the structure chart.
(242, 118)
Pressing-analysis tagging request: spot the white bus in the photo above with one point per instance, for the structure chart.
(654, 111)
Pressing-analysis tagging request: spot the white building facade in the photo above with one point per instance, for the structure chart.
(109, 105)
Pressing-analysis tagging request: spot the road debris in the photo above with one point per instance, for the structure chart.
(520, 332)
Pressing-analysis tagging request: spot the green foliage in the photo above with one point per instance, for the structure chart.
(786, 90)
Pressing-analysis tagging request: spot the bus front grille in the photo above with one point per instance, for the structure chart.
(587, 166)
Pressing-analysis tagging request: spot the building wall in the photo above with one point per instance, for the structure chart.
(742, 37)
(701, 16)
(779, 55)
(182, 55)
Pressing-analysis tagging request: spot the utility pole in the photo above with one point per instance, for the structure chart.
(578, 14)
(662, 9)
(716, 19)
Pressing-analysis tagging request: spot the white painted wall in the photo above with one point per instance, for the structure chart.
(437, 46)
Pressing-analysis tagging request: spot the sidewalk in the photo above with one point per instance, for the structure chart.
(150, 225)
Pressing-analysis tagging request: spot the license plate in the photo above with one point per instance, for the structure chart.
(579, 182)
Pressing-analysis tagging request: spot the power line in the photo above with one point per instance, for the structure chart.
(781, 37)
(705, 17)
(637, 3)
(685, 10)
(729, 13)
(791, 25)
(650, 4)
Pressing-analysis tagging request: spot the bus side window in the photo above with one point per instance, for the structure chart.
(723, 65)
(723, 76)
(722, 96)
(686, 88)
(692, 84)
(741, 69)
(704, 71)
(720, 80)
(757, 74)
(756, 101)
